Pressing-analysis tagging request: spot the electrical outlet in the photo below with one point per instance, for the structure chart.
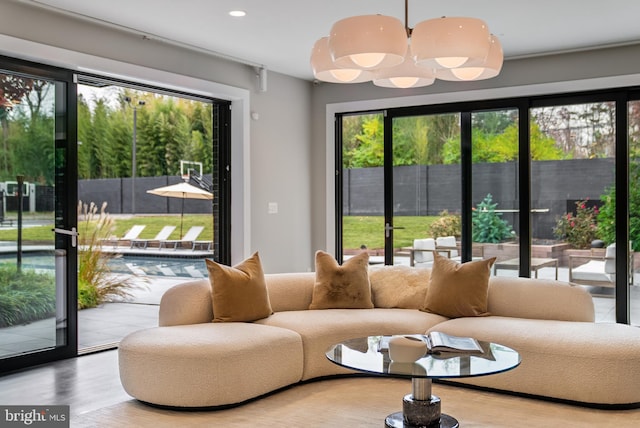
(273, 208)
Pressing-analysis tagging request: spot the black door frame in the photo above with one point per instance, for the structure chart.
(66, 196)
(621, 97)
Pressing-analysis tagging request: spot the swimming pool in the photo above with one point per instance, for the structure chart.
(127, 264)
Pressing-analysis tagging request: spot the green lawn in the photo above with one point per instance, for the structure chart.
(121, 225)
(369, 230)
(358, 230)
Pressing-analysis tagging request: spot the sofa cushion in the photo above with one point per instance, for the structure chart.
(345, 286)
(290, 291)
(399, 286)
(213, 364)
(579, 361)
(544, 299)
(321, 329)
(186, 303)
(458, 290)
(239, 293)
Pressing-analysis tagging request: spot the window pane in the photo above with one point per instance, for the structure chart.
(363, 185)
(426, 188)
(495, 188)
(32, 293)
(131, 142)
(573, 176)
(634, 205)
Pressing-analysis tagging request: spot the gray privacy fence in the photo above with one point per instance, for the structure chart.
(429, 189)
(116, 192)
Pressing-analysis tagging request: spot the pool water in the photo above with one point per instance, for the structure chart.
(146, 266)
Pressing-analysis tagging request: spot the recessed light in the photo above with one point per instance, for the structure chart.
(237, 13)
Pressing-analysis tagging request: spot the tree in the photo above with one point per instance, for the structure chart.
(12, 91)
(417, 140)
(444, 129)
(84, 126)
(488, 226)
(581, 131)
(369, 150)
(503, 147)
(28, 136)
(168, 130)
(103, 153)
(607, 214)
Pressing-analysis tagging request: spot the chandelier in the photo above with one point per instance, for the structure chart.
(381, 49)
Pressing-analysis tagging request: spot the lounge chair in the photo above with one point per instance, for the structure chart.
(421, 254)
(165, 270)
(163, 235)
(447, 246)
(193, 272)
(189, 238)
(132, 234)
(135, 269)
(599, 271)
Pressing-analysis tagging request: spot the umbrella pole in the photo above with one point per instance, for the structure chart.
(181, 217)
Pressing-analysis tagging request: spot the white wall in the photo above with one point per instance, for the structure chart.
(270, 156)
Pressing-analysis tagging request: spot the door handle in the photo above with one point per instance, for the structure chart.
(388, 228)
(73, 233)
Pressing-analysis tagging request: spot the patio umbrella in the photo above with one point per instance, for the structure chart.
(184, 191)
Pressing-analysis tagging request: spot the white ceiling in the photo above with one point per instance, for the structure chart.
(279, 34)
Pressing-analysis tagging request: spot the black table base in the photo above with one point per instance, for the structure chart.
(396, 420)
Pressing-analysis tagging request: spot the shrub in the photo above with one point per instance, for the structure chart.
(607, 214)
(446, 225)
(578, 230)
(487, 225)
(96, 283)
(25, 296)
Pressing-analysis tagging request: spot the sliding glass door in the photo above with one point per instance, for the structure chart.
(426, 199)
(547, 185)
(394, 186)
(495, 200)
(37, 216)
(361, 218)
(633, 109)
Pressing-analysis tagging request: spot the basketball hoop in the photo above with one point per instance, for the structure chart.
(187, 166)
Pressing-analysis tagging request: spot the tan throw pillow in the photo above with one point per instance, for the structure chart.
(458, 290)
(398, 286)
(239, 293)
(341, 287)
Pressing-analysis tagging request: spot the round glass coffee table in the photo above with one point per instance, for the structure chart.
(421, 408)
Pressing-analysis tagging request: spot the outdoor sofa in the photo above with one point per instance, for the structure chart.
(191, 362)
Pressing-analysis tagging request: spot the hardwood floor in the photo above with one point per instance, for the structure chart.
(90, 385)
(85, 383)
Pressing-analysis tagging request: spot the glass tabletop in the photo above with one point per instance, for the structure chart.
(363, 354)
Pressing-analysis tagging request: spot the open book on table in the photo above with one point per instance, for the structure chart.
(442, 342)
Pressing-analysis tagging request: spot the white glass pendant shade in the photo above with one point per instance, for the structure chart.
(369, 41)
(478, 70)
(445, 43)
(405, 75)
(325, 69)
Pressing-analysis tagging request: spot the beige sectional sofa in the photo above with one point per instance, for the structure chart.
(189, 361)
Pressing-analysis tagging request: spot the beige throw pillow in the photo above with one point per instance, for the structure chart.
(398, 286)
(458, 290)
(341, 287)
(239, 293)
